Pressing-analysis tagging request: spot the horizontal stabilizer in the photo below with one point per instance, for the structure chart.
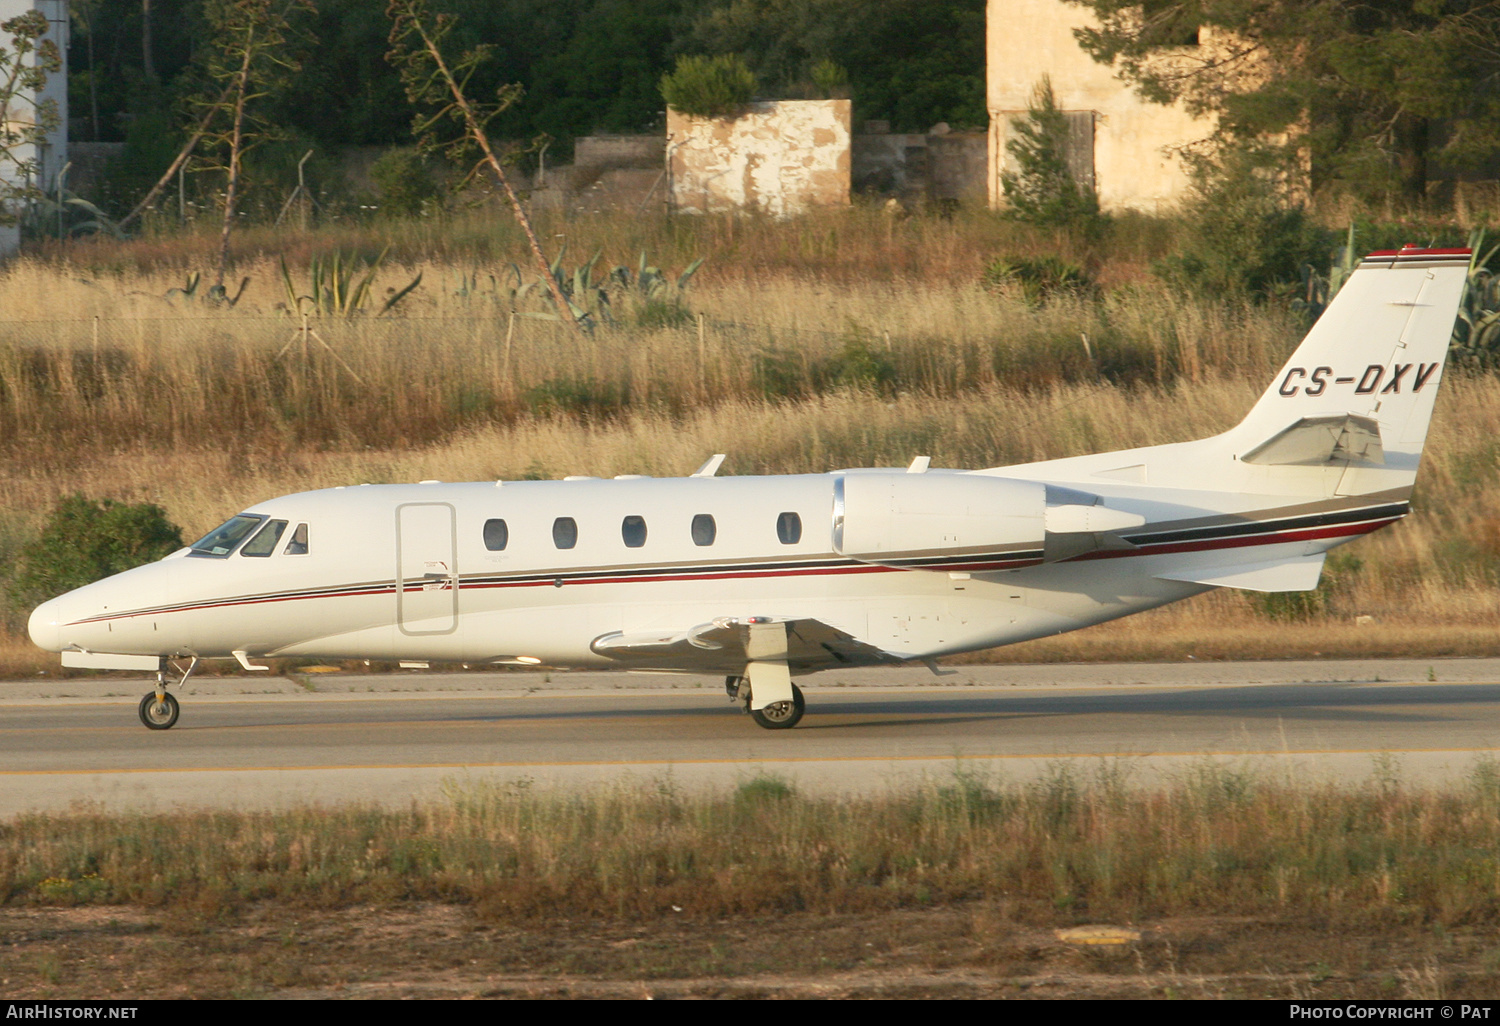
(1299, 573)
(1316, 441)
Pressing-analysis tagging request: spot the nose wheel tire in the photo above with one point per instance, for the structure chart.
(158, 715)
(781, 715)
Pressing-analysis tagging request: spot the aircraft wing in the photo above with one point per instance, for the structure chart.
(723, 646)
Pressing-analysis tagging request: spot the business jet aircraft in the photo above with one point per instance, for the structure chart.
(761, 578)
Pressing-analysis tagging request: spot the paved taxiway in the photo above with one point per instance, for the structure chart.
(335, 738)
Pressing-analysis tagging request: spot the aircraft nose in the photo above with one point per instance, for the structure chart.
(45, 626)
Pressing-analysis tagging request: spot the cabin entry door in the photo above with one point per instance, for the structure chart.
(426, 568)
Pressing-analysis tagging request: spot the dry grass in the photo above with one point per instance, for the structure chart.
(127, 366)
(860, 244)
(1064, 849)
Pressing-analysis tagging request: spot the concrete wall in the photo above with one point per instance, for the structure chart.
(946, 166)
(54, 152)
(780, 158)
(1136, 164)
(611, 151)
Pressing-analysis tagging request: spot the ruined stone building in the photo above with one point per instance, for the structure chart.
(1127, 149)
(779, 158)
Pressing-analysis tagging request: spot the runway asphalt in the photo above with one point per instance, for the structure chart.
(390, 739)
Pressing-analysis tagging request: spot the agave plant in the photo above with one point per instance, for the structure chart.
(340, 286)
(595, 299)
(217, 295)
(1318, 290)
(71, 217)
(1476, 333)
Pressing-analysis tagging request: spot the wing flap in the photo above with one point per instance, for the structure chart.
(725, 645)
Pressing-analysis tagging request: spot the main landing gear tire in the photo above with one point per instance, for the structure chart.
(158, 715)
(781, 715)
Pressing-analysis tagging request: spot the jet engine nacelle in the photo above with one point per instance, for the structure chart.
(896, 518)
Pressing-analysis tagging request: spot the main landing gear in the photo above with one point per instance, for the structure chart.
(777, 715)
(158, 710)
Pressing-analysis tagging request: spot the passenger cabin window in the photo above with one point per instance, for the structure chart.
(789, 528)
(633, 530)
(222, 540)
(564, 532)
(496, 535)
(298, 545)
(264, 542)
(704, 529)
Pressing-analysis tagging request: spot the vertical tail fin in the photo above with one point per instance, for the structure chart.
(1360, 388)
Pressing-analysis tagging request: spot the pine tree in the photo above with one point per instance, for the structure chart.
(1042, 189)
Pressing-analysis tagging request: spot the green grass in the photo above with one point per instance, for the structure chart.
(1066, 848)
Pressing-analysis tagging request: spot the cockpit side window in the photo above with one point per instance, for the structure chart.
(264, 542)
(298, 545)
(223, 540)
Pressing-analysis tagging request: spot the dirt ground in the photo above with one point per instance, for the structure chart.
(974, 951)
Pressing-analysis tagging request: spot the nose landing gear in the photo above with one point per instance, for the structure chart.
(158, 710)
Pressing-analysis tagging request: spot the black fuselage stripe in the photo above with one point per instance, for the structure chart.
(1398, 509)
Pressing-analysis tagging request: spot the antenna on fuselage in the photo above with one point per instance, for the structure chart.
(710, 468)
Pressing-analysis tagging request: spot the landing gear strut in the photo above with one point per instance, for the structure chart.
(158, 710)
(777, 715)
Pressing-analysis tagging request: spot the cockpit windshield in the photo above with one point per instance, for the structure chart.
(264, 542)
(222, 540)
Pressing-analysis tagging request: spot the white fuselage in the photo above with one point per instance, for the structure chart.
(405, 571)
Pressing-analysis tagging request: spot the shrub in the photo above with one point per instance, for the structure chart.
(777, 374)
(403, 178)
(84, 541)
(1243, 238)
(708, 87)
(831, 79)
(1038, 278)
(663, 313)
(581, 398)
(859, 366)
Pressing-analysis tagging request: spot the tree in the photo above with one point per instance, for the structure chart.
(250, 55)
(1373, 92)
(1042, 189)
(438, 86)
(24, 120)
(912, 62)
(708, 87)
